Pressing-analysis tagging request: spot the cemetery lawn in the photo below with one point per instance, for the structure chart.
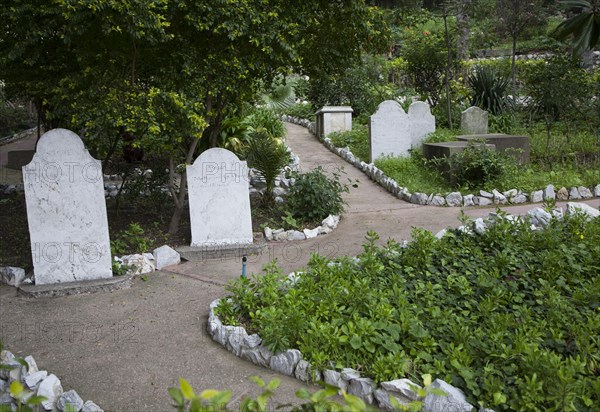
(512, 317)
(571, 160)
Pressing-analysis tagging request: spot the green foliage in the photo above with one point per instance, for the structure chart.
(27, 401)
(212, 400)
(281, 95)
(489, 90)
(131, 240)
(583, 27)
(425, 56)
(301, 110)
(314, 195)
(510, 316)
(413, 173)
(269, 156)
(266, 121)
(475, 166)
(356, 139)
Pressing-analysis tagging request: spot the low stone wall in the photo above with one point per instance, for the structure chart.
(38, 382)
(453, 199)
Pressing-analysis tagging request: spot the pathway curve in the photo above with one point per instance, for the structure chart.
(123, 349)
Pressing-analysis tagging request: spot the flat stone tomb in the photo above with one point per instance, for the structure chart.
(447, 149)
(333, 119)
(66, 211)
(515, 146)
(474, 121)
(219, 199)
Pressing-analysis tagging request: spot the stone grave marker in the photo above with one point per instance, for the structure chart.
(219, 199)
(333, 119)
(66, 211)
(422, 122)
(474, 121)
(389, 131)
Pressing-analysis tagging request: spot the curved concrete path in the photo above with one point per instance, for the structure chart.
(123, 349)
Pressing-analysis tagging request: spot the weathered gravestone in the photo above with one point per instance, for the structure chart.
(389, 131)
(393, 132)
(422, 122)
(219, 199)
(474, 121)
(66, 211)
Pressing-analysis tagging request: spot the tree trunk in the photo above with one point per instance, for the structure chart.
(463, 26)
(447, 76)
(513, 69)
(179, 197)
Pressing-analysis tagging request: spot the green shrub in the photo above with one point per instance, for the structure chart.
(475, 166)
(413, 173)
(130, 241)
(303, 111)
(314, 195)
(269, 156)
(489, 90)
(510, 316)
(356, 139)
(266, 120)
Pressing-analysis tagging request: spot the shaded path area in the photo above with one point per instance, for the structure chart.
(123, 349)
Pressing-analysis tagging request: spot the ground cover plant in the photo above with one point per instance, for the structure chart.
(512, 316)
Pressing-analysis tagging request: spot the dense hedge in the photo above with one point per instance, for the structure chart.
(511, 316)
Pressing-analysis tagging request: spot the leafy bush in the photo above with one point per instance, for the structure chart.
(425, 57)
(303, 111)
(475, 166)
(314, 195)
(131, 240)
(269, 156)
(412, 172)
(510, 316)
(266, 120)
(489, 90)
(356, 139)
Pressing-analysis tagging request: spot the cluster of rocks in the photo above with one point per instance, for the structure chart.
(538, 217)
(137, 264)
(142, 263)
(17, 136)
(40, 383)
(311, 126)
(327, 225)
(10, 189)
(237, 340)
(456, 199)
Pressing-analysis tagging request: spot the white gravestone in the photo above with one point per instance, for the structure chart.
(422, 122)
(474, 121)
(219, 199)
(389, 130)
(66, 211)
(333, 119)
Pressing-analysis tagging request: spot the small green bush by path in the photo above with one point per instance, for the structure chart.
(314, 195)
(512, 317)
(356, 139)
(412, 173)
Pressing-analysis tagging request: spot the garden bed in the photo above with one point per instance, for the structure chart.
(505, 311)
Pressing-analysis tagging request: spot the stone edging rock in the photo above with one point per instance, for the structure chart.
(39, 382)
(16, 136)
(236, 340)
(453, 199)
(327, 226)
